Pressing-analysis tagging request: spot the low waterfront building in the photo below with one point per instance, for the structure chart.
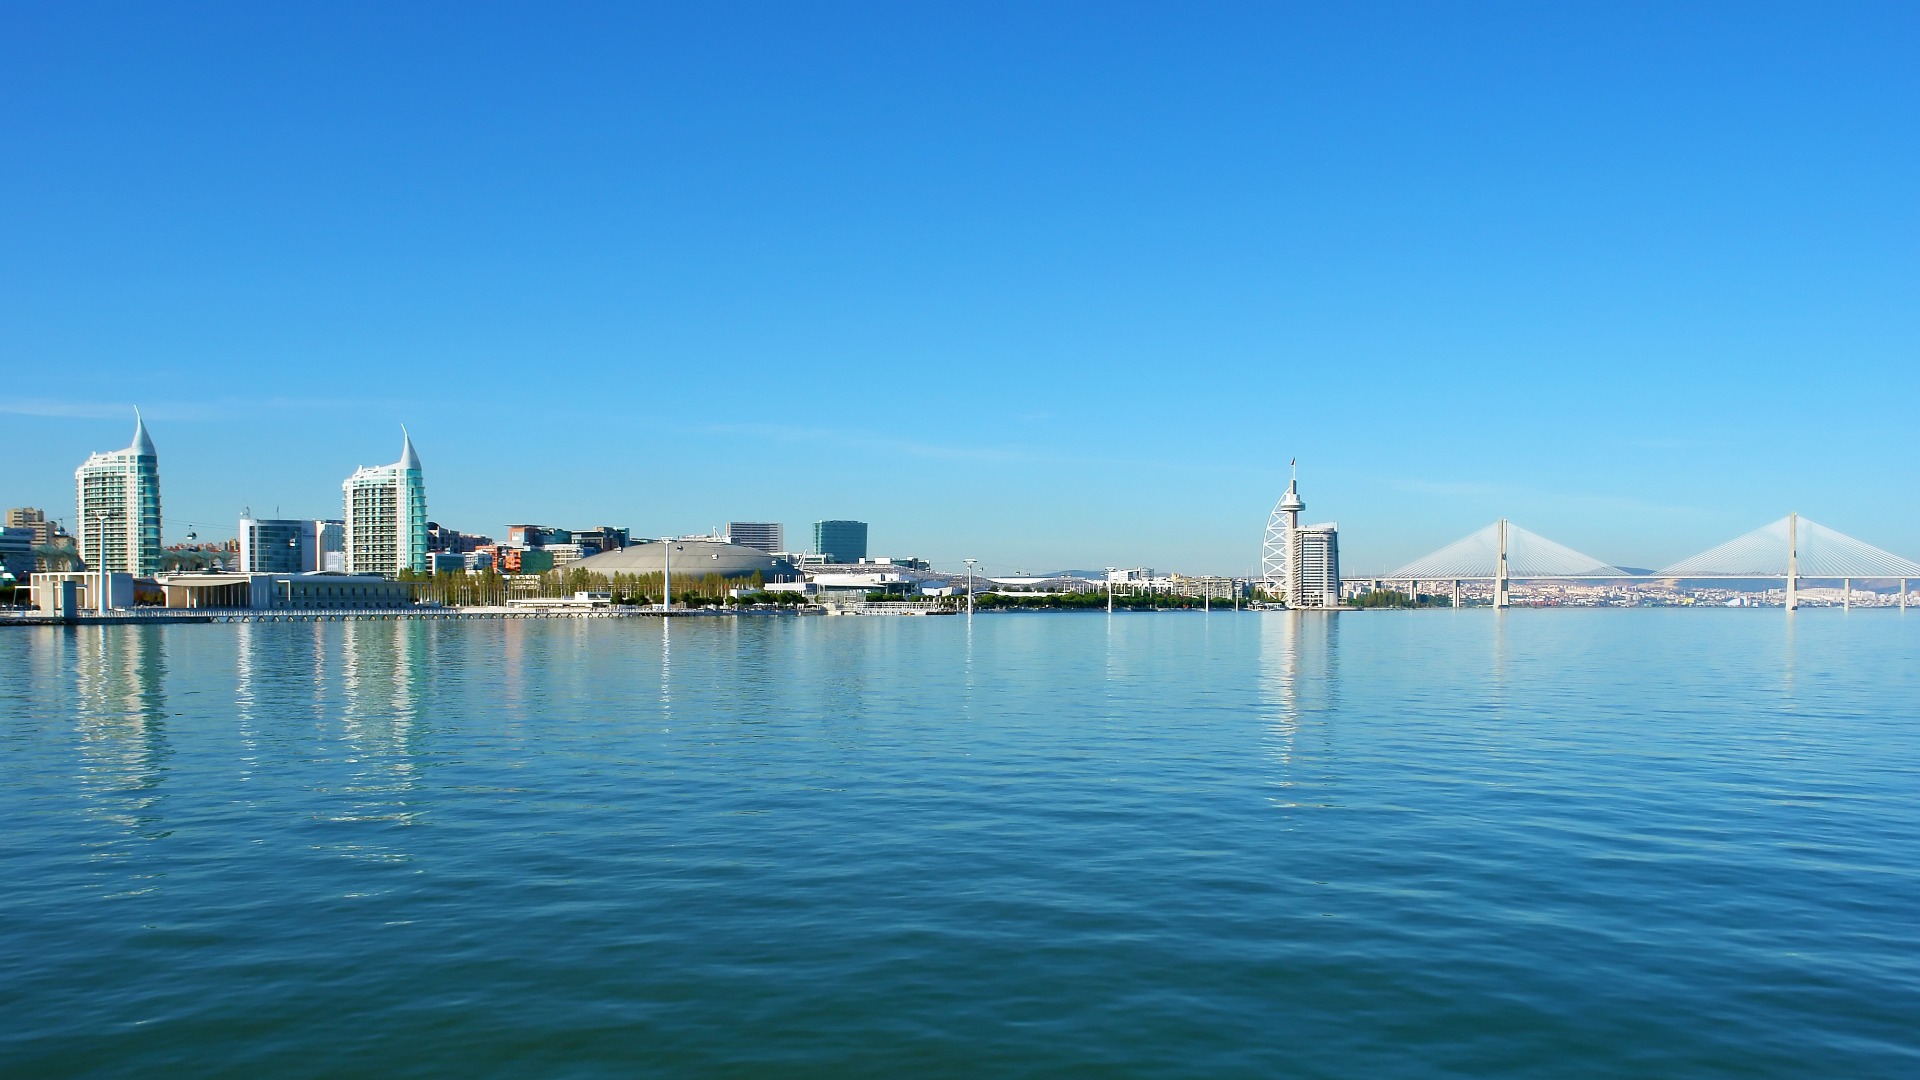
(314, 591)
(580, 601)
(122, 589)
(857, 586)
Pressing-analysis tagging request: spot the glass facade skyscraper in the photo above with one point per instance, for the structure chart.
(840, 541)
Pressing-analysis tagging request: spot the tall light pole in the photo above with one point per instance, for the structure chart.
(100, 563)
(970, 563)
(666, 574)
(1109, 590)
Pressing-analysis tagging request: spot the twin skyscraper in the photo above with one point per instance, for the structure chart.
(118, 508)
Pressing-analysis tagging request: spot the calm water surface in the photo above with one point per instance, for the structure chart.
(1546, 843)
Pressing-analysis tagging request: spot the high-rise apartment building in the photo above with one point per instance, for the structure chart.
(119, 507)
(840, 541)
(386, 522)
(764, 535)
(1316, 562)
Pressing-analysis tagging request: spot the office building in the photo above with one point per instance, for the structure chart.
(386, 522)
(515, 560)
(601, 538)
(119, 507)
(537, 536)
(290, 545)
(765, 535)
(840, 541)
(16, 553)
(567, 554)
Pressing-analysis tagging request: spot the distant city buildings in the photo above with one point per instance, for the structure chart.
(386, 519)
(601, 538)
(30, 526)
(840, 541)
(291, 545)
(35, 521)
(453, 541)
(118, 505)
(765, 535)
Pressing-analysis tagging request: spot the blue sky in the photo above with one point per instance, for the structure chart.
(1045, 285)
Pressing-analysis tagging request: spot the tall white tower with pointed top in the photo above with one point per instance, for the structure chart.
(1301, 564)
(118, 511)
(386, 515)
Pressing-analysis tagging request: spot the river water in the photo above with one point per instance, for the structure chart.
(1531, 843)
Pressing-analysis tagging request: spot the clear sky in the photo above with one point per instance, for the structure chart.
(1046, 285)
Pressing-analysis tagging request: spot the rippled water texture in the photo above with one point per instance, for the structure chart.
(1546, 843)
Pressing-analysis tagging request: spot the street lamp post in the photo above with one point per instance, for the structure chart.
(1109, 590)
(970, 563)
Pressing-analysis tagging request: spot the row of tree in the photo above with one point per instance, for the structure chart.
(491, 588)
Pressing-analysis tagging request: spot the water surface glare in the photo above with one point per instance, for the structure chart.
(1540, 843)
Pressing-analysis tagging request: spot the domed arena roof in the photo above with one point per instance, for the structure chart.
(690, 557)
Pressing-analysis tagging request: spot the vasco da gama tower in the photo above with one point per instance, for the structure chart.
(1300, 562)
(386, 529)
(119, 507)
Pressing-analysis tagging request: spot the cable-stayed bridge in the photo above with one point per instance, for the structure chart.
(1790, 550)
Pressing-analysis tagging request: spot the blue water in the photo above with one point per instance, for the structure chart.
(1540, 843)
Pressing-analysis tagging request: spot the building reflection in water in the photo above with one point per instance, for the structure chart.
(1299, 690)
(120, 675)
(382, 664)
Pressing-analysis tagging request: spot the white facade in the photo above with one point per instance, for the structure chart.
(386, 522)
(1300, 563)
(1315, 578)
(119, 507)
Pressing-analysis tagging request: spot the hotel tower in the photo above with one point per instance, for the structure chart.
(119, 507)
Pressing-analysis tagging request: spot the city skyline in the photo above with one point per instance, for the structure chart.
(1115, 270)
